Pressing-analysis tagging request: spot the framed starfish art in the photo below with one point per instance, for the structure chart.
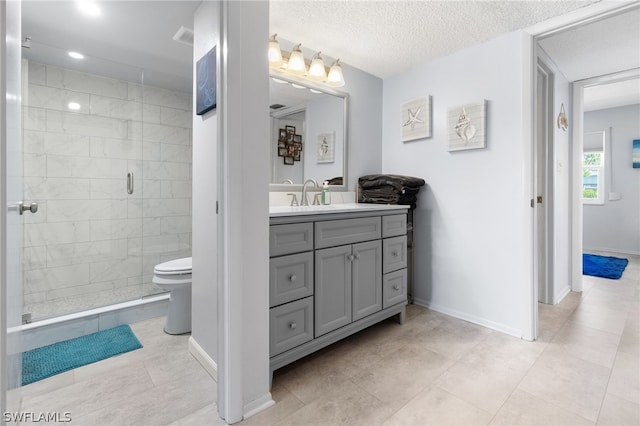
(415, 119)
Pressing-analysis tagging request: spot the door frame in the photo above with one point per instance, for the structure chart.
(577, 144)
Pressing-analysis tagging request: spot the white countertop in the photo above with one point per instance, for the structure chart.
(279, 211)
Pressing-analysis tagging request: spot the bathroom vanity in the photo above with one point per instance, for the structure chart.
(334, 270)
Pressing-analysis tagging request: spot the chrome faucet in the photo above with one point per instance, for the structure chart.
(305, 201)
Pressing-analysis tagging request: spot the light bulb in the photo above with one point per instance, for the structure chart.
(296, 61)
(76, 55)
(275, 55)
(335, 77)
(316, 69)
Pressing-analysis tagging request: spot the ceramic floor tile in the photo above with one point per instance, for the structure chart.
(50, 384)
(453, 338)
(205, 416)
(86, 396)
(576, 385)
(524, 409)
(589, 344)
(434, 406)
(286, 404)
(625, 378)
(619, 412)
(488, 375)
(348, 405)
(399, 377)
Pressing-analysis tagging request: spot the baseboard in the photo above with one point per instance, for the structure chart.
(503, 328)
(256, 406)
(611, 251)
(562, 295)
(203, 358)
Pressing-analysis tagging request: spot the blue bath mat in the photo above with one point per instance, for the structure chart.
(47, 361)
(603, 266)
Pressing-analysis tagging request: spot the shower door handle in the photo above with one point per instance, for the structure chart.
(129, 183)
(21, 208)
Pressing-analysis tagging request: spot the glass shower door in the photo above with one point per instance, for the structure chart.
(82, 135)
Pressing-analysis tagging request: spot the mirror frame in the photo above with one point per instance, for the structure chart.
(280, 187)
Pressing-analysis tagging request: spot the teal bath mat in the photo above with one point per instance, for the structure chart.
(47, 361)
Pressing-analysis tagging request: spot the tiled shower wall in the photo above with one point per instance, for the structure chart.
(91, 243)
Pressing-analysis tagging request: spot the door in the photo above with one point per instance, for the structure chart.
(543, 157)
(332, 288)
(367, 278)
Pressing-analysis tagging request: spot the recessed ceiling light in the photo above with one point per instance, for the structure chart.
(277, 80)
(297, 86)
(89, 8)
(73, 106)
(314, 91)
(76, 55)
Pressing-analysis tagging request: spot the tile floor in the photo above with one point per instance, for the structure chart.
(434, 370)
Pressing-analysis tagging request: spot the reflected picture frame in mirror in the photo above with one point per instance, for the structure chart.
(305, 134)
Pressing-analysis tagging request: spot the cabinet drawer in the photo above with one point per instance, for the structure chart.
(290, 278)
(394, 225)
(347, 231)
(290, 238)
(394, 288)
(394, 254)
(290, 325)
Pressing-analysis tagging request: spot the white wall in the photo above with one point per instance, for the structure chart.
(204, 322)
(244, 312)
(615, 226)
(472, 220)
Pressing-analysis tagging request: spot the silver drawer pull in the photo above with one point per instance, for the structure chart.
(129, 183)
(395, 254)
(293, 325)
(396, 287)
(292, 278)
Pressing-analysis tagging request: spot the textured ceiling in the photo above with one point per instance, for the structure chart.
(599, 48)
(385, 38)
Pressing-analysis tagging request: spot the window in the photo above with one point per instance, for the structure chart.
(593, 168)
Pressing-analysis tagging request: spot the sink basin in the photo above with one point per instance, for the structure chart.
(275, 211)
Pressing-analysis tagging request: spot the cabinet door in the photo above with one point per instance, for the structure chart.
(332, 289)
(367, 279)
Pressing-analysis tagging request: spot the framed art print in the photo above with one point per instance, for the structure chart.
(206, 82)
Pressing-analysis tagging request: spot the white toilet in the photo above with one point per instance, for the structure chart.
(175, 276)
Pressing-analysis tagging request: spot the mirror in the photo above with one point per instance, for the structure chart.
(308, 138)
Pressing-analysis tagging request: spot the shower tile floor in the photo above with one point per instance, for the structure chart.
(583, 370)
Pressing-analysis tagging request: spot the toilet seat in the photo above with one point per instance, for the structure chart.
(174, 267)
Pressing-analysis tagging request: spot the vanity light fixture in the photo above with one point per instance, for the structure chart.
(89, 8)
(335, 77)
(294, 63)
(275, 54)
(76, 55)
(317, 70)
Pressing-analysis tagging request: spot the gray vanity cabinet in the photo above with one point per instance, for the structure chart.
(332, 275)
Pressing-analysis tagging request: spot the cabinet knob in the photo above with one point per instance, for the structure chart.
(396, 287)
(350, 257)
(292, 325)
(292, 278)
(357, 256)
(394, 253)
